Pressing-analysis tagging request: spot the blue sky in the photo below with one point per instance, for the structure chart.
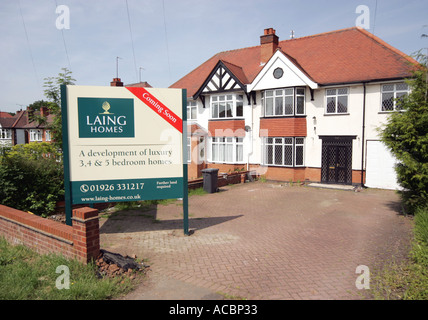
(169, 37)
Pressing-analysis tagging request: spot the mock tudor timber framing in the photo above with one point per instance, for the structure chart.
(226, 81)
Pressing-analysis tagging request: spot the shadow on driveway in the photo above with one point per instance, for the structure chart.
(128, 221)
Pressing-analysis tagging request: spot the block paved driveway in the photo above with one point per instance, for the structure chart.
(262, 241)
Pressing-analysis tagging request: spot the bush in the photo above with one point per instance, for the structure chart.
(31, 178)
(406, 135)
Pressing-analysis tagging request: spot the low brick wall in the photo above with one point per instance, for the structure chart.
(80, 241)
(224, 179)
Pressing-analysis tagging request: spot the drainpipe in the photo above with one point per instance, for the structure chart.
(362, 135)
(250, 152)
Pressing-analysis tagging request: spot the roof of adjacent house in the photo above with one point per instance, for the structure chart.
(5, 114)
(343, 56)
(21, 121)
(141, 84)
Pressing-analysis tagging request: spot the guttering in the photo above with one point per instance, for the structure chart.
(347, 83)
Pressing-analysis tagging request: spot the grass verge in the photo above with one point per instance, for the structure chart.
(407, 280)
(26, 275)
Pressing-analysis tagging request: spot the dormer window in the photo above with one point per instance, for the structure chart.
(227, 106)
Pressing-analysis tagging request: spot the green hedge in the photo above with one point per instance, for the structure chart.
(31, 178)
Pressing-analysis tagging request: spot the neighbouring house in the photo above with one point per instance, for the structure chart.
(303, 109)
(5, 131)
(20, 129)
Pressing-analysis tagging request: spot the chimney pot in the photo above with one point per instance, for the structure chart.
(116, 83)
(269, 31)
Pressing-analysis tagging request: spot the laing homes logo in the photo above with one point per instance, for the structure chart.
(105, 117)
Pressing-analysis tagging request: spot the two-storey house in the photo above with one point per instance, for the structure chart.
(21, 129)
(304, 109)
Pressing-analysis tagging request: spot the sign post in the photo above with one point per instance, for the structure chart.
(124, 144)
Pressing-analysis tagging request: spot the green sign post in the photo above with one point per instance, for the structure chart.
(124, 144)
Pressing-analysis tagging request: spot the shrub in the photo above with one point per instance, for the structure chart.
(31, 178)
(406, 135)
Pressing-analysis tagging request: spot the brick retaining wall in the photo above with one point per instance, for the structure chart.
(80, 241)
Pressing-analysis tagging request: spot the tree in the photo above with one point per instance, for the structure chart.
(52, 92)
(406, 135)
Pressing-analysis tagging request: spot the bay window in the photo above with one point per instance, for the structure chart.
(283, 151)
(284, 102)
(227, 106)
(227, 149)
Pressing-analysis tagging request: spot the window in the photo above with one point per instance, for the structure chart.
(189, 149)
(5, 134)
(284, 151)
(227, 106)
(192, 110)
(284, 102)
(390, 94)
(36, 135)
(227, 149)
(48, 135)
(337, 101)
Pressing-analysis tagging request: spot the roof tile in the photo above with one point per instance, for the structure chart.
(341, 56)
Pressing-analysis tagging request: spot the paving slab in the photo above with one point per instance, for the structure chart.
(262, 240)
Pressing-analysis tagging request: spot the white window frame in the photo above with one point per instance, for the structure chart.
(279, 98)
(192, 106)
(48, 136)
(5, 134)
(227, 150)
(233, 101)
(282, 143)
(396, 92)
(337, 94)
(36, 135)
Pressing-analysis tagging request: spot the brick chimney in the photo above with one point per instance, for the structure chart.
(44, 111)
(269, 44)
(116, 83)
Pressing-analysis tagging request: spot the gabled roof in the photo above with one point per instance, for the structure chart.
(21, 121)
(336, 57)
(193, 81)
(224, 76)
(293, 74)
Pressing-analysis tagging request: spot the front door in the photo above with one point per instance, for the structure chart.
(336, 166)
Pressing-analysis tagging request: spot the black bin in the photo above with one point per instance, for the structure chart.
(210, 179)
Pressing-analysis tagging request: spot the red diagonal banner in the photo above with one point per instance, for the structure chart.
(157, 106)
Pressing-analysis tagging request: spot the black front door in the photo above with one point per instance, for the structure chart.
(336, 166)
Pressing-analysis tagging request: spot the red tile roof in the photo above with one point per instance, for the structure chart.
(21, 120)
(341, 56)
(5, 115)
(141, 84)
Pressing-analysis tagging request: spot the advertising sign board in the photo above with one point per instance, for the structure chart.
(123, 143)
